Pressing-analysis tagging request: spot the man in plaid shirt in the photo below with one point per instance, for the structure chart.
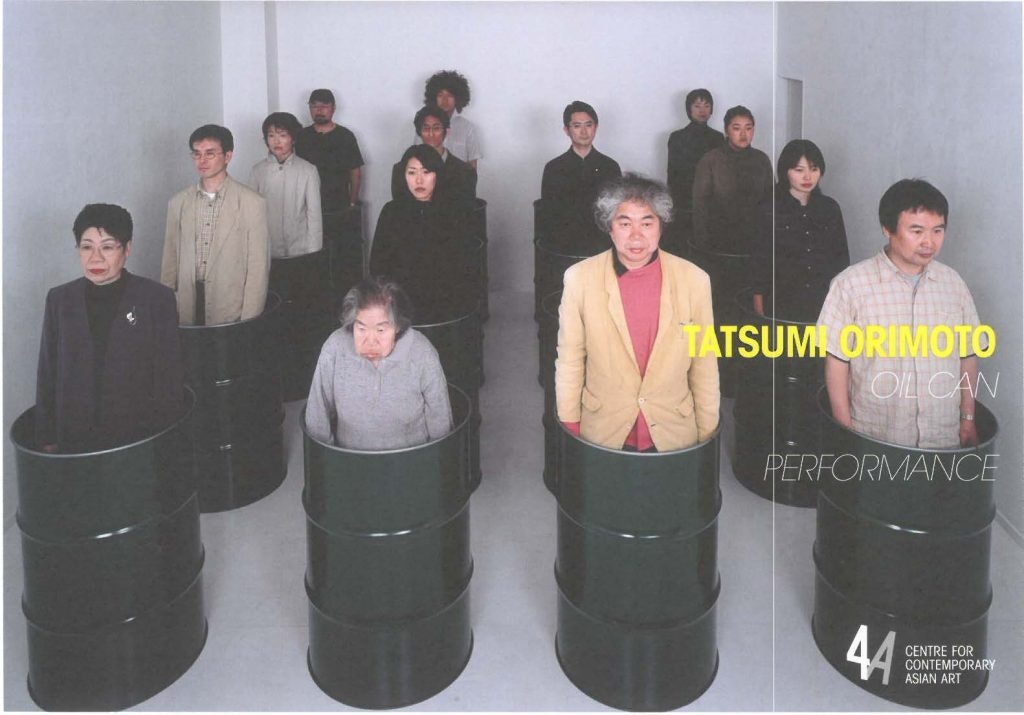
(923, 400)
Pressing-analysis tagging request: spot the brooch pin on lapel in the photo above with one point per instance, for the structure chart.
(130, 316)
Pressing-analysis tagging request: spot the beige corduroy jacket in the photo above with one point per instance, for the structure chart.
(597, 380)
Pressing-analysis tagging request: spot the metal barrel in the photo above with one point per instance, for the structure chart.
(550, 263)
(239, 444)
(676, 236)
(637, 572)
(305, 319)
(776, 412)
(729, 275)
(343, 239)
(477, 225)
(548, 331)
(113, 568)
(902, 563)
(389, 566)
(459, 344)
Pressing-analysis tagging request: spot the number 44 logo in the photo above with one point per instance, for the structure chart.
(858, 653)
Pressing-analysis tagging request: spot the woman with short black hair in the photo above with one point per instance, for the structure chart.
(110, 369)
(809, 241)
(378, 383)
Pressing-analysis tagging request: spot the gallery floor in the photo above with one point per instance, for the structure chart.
(255, 658)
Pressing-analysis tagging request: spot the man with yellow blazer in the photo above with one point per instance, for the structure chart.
(216, 251)
(624, 377)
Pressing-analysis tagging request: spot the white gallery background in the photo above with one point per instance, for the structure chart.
(99, 99)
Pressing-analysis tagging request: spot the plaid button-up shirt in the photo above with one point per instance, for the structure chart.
(207, 211)
(912, 401)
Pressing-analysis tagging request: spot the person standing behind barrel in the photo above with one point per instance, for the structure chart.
(686, 146)
(215, 247)
(110, 368)
(624, 377)
(729, 186)
(378, 383)
(802, 239)
(291, 186)
(420, 243)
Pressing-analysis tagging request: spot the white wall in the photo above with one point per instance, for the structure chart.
(99, 100)
(525, 61)
(931, 90)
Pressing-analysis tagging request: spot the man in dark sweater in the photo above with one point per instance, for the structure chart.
(686, 146)
(729, 186)
(571, 183)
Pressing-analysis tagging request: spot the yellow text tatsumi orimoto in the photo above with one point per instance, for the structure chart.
(872, 341)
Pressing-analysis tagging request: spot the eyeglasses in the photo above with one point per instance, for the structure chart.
(106, 249)
(210, 154)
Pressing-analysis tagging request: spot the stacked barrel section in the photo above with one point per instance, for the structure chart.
(389, 567)
(776, 412)
(234, 370)
(637, 572)
(113, 566)
(902, 559)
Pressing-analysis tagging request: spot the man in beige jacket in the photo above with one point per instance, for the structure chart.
(216, 253)
(624, 376)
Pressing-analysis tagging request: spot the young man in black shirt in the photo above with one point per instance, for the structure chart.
(571, 183)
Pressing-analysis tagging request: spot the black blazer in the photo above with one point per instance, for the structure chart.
(141, 389)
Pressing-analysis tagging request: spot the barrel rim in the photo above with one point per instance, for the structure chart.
(692, 448)
(190, 397)
(452, 321)
(748, 312)
(540, 243)
(272, 304)
(979, 406)
(694, 246)
(464, 423)
(307, 255)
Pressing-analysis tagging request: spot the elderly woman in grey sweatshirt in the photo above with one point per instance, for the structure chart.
(378, 383)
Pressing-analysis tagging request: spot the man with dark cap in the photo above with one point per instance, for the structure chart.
(334, 151)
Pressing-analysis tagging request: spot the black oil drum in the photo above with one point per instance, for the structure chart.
(675, 237)
(729, 274)
(343, 238)
(305, 319)
(477, 220)
(389, 566)
(776, 411)
(548, 352)
(902, 589)
(113, 568)
(550, 264)
(239, 445)
(637, 572)
(459, 345)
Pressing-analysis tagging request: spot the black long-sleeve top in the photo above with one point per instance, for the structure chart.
(568, 189)
(810, 250)
(685, 148)
(425, 247)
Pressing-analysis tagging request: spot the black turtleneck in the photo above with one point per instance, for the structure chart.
(101, 303)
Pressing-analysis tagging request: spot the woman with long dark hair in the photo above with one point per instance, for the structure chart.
(421, 241)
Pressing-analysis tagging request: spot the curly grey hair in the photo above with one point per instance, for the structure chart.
(377, 291)
(631, 187)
